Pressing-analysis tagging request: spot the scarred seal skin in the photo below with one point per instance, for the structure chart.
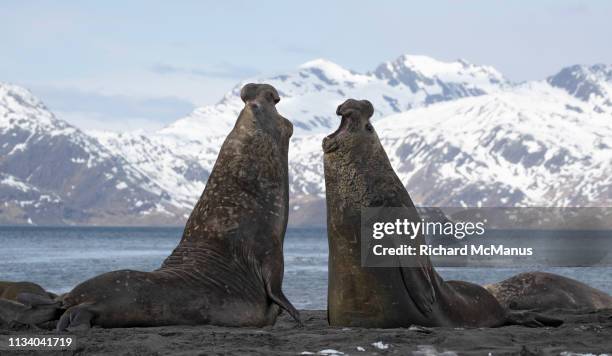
(228, 267)
(358, 175)
(26, 303)
(545, 291)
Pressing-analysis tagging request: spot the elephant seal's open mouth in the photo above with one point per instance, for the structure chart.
(330, 142)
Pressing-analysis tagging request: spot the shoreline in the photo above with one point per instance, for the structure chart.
(582, 333)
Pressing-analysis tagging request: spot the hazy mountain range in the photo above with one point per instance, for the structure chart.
(457, 134)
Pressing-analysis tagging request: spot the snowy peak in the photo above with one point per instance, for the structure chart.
(455, 79)
(53, 173)
(20, 110)
(449, 71)
(322, 63)
(311, 93)
(13, 95)
(206, 121)
(591, 84)
(521, 147)
(328, 72)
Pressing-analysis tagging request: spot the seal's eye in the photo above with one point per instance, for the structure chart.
(369, 127)
(272, 98)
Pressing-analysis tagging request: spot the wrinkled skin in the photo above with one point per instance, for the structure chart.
(228, 266)
(545, 291)
(26, 303)
(358, 175)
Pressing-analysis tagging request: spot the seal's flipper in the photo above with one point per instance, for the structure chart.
(531, 319)
(275, 293)
(77, 317)
(35, 300)
(417, 281)
(12, 311)
(418, 275)
(418, 278)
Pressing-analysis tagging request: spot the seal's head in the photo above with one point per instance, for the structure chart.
(260, 110)
(355, 127)
(355, 161)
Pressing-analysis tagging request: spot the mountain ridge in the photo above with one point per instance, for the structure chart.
(456, 133)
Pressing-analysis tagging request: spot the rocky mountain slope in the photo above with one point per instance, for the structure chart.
(457, 133)
(53, 173)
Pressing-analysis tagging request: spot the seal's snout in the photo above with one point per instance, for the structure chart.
(259, 93)
(352, 106)
(355, 116)
(329, 145)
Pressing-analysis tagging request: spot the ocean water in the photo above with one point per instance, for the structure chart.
(58, 258)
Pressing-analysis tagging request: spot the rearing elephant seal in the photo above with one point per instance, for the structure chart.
(358, 175)
(542, 291)
(228, 266)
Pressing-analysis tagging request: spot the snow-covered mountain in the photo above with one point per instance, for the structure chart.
(532, 146)
(591, 84)
(457, 134)
(179, 157)
(309, 92)
(53, 173)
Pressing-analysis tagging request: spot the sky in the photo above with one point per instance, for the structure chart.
(126, 65)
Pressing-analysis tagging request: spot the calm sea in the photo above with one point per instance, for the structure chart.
(58, 258)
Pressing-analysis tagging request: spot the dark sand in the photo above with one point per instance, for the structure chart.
(581, 333)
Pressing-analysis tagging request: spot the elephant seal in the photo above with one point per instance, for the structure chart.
(358, 175)
(26, 303)
(543, 291)
(228, 267)
(10, 290)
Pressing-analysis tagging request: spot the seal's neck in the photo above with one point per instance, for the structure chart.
(248, 183)
(359, 180)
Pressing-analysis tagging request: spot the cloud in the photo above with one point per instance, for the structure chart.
(223, 70)
(92, 121)
(91, 110)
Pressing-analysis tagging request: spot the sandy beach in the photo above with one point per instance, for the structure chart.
(582, 333)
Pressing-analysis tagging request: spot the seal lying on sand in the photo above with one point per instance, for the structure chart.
(542, 291)
(10, 290)
(358, 175)
(26, 303)
(228, 266)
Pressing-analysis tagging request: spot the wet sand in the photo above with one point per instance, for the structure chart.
(582, 333)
